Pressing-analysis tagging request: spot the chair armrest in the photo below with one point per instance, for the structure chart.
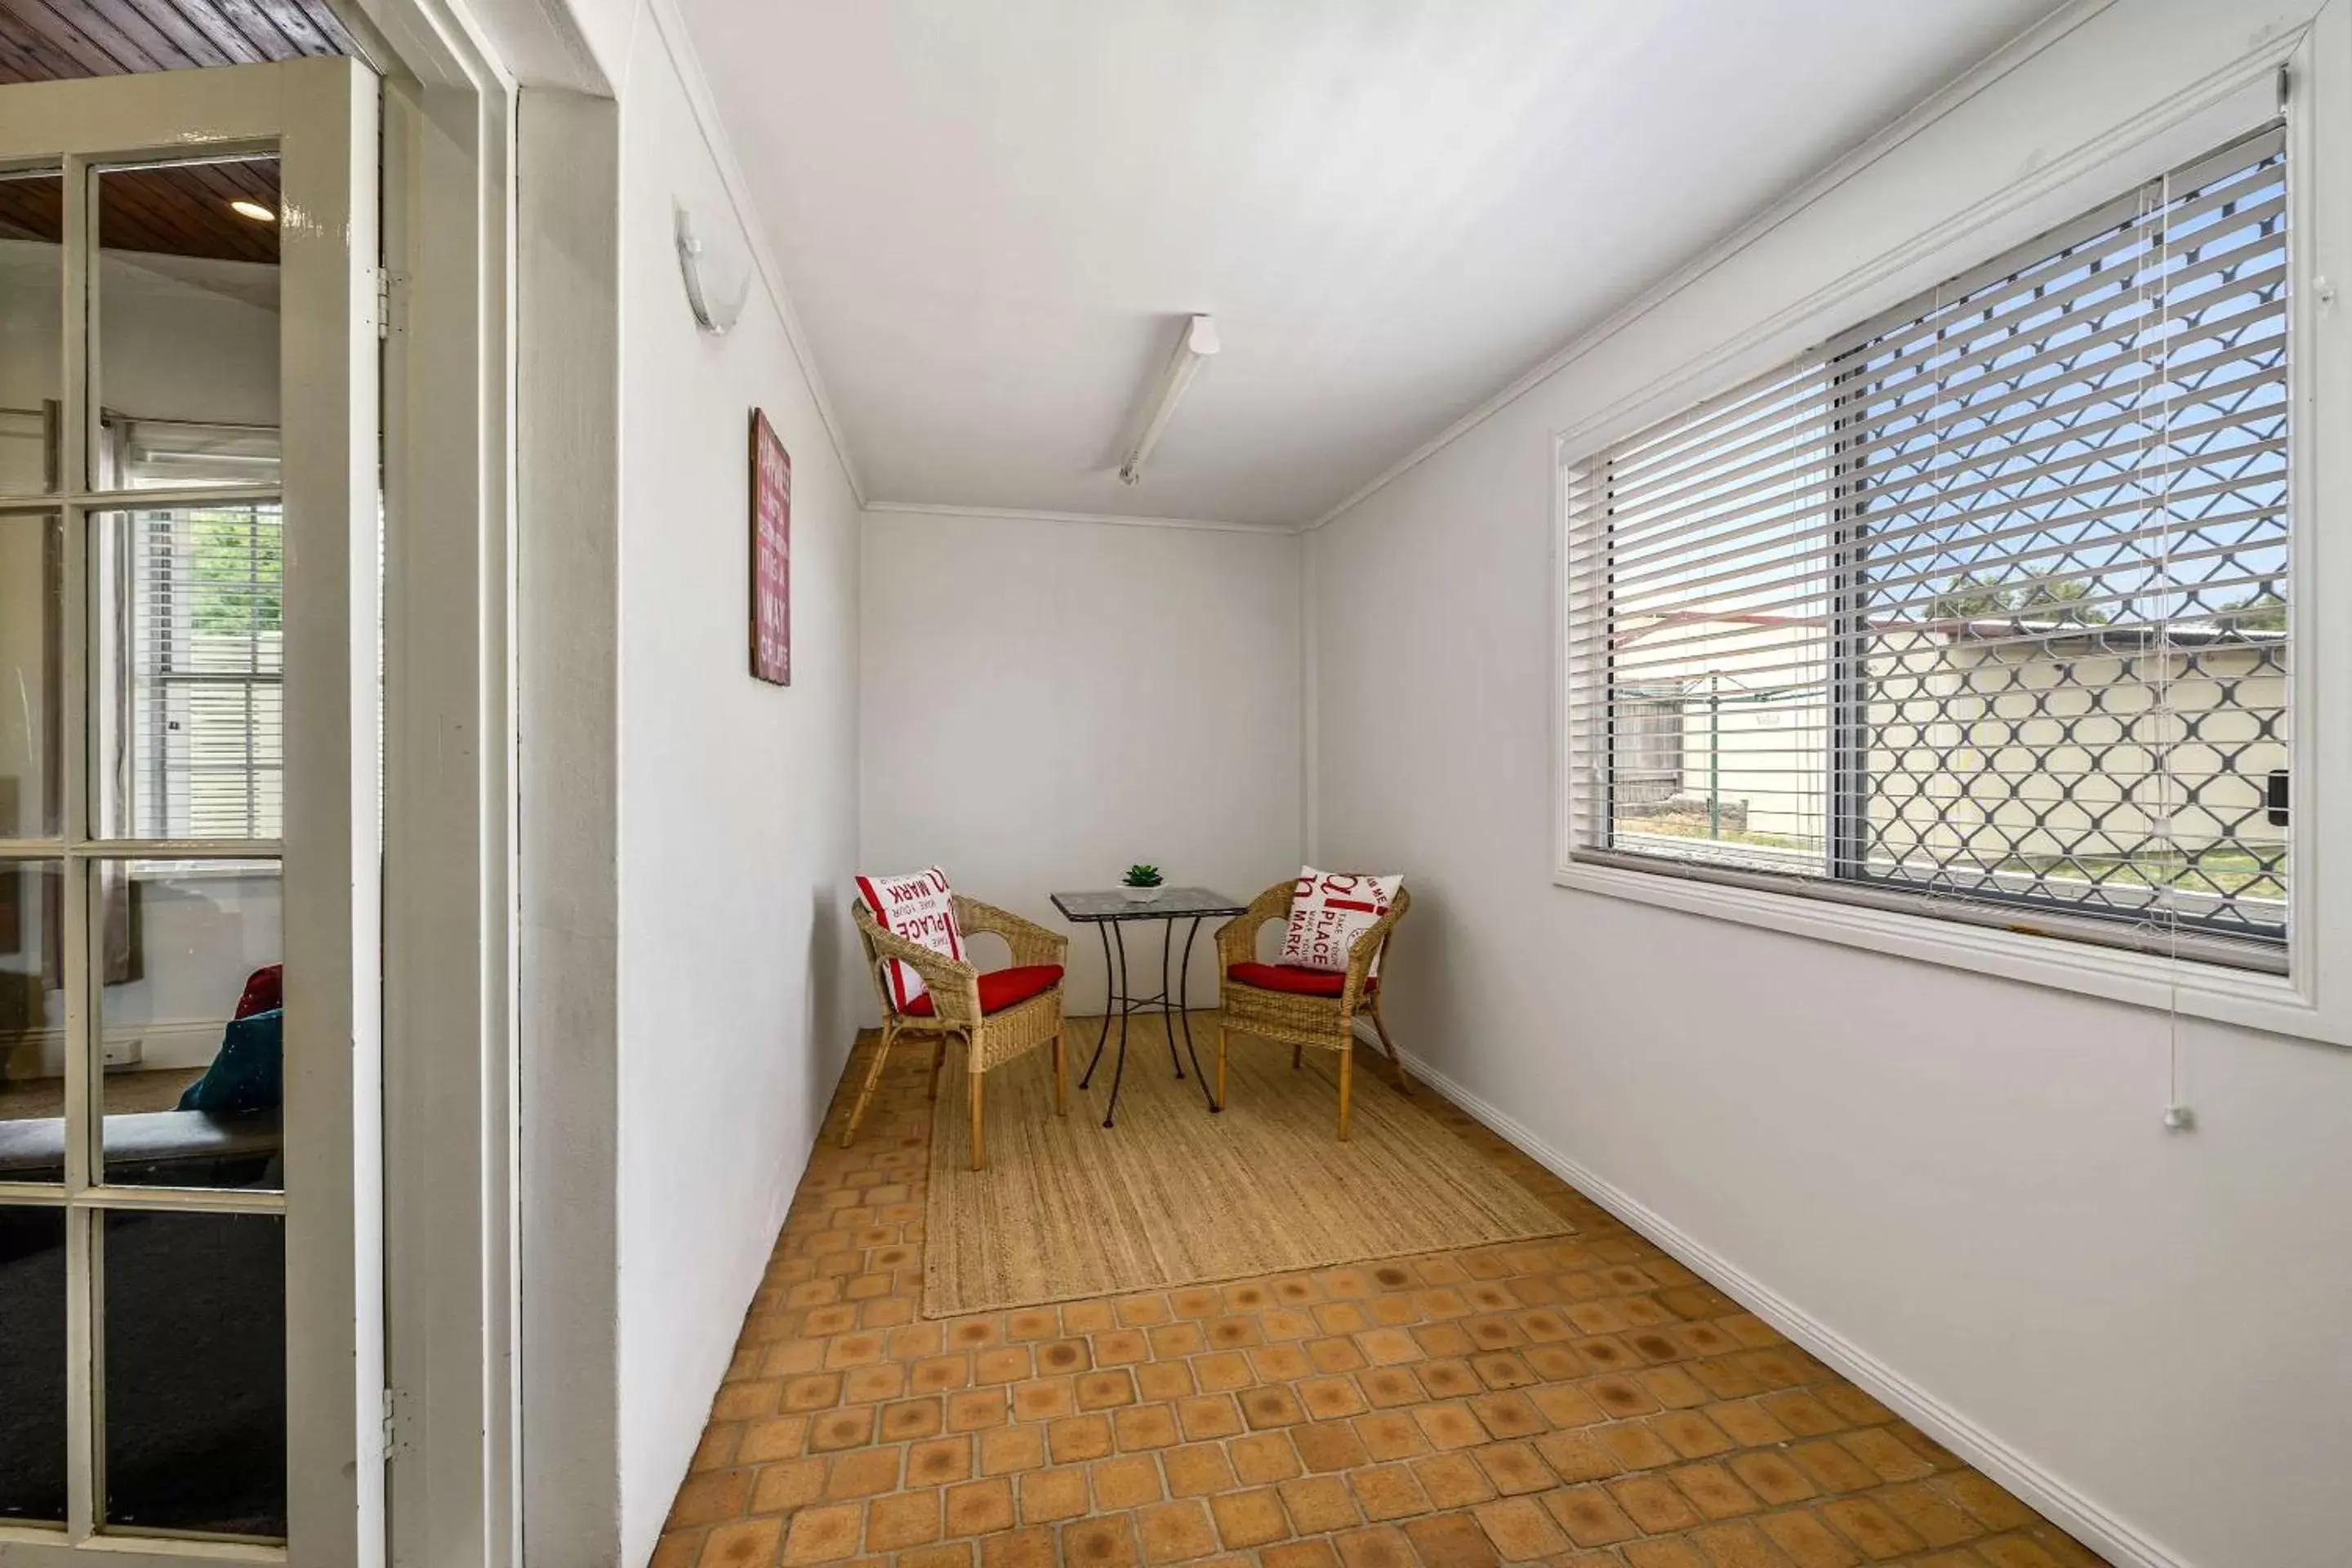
(1030, 943)
(1366, 948)
(954, 985)
(1238, 938)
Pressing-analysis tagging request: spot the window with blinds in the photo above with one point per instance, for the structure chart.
(1981, 609)
(207, 671)
(189, 677)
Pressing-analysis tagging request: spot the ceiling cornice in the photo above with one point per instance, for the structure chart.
(1104, 519)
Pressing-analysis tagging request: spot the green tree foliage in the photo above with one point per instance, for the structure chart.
(236, 565)
(2060, 599)
(1967, 597)
(2262, 611)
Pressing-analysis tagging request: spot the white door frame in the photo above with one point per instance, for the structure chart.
(321, 118)
(450, 1429)
(457, 1407)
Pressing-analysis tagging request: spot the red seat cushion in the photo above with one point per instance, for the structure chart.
(264, 991)
(1295, 977)
(1002, 988)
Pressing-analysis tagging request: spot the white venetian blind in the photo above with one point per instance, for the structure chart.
(1700, 578)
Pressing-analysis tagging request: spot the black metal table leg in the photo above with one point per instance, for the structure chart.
(1184, 1011)
(1115, 911)
(1118, 1072)
(1111, 1002)
(1166, 1017)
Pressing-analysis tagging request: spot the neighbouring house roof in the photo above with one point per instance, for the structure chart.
(1987, 628)
(2161, 634)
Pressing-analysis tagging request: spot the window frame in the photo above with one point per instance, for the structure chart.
(2313, 999)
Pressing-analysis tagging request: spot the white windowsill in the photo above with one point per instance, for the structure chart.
(2273, 1003)
(202, 870)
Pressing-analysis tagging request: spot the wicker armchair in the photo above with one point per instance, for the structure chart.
(953, 988)
(1301, 1020)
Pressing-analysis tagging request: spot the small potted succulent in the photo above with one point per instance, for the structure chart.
(1141, 884)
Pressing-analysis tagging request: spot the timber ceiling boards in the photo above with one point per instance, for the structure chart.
(182, 210)
(58, 40)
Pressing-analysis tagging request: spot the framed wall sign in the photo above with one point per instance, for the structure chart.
(771, 554)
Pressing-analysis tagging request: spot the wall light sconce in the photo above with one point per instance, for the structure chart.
(718, 276)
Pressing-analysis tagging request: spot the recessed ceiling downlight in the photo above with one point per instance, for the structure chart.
(253, 210)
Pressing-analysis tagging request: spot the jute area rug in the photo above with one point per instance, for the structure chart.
(1173, 1195)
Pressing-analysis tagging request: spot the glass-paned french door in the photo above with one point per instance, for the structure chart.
(188, 794)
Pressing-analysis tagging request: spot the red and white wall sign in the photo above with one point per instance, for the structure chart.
(771, 554)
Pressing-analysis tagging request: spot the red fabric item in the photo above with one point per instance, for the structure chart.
(1002, 988)
(264, 991)
(1296, 977)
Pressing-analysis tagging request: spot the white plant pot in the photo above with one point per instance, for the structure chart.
(1139, 895)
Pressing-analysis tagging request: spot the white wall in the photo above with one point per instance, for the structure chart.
(1963, 1180)
(738, 824)
(1047, 702)
(189, 338)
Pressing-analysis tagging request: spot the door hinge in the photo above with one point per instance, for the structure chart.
(399, 1420)
(390, 300)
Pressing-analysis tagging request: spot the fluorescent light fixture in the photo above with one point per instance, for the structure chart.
(1199, 342)
(253, 210)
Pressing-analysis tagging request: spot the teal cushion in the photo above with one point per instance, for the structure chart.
(249, 1072)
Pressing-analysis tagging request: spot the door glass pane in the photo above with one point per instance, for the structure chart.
(186, 325)
(195, 1336)
(32, 1023)
(189, 1018)
(32, 631)
(33, 1364)
(32, 331)
(188, 671)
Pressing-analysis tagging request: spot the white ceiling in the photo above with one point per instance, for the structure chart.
(990, 216)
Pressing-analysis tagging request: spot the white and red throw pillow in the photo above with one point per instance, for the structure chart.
(1329, 910)
(920, 906)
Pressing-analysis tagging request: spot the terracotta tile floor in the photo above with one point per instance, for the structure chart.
(1584, 1401)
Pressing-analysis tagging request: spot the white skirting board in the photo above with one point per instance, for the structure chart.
(166, 1043)
(2102, 1532)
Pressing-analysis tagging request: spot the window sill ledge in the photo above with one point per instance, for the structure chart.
(205, 870)
(2272, 1003)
